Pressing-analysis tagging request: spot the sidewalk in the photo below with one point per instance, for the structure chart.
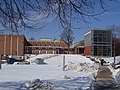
(104, 80)
(104, 73)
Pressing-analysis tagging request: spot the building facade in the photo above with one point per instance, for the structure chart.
(116, 47)
(98, 43)
(79, 47)
(95, 43)
(18, 45)
(46, 46)
(12, 44)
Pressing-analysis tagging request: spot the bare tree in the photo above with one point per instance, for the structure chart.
(67, 37)
(115, 31)
(15, 14)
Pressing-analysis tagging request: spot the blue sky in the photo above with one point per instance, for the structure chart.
(110, 17)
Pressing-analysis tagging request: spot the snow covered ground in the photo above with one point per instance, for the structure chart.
(78, 75)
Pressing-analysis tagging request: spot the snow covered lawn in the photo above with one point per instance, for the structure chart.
(78, 75)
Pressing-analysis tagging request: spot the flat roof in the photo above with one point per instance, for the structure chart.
(95, 30)
(87, 33)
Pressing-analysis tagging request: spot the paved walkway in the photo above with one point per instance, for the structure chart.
(104, 80)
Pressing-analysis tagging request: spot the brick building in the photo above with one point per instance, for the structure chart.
(98, 43)
(95, 43)
(79, 47)
(12, 44)
(49, 46)
(18, 45)
(116, 42)
(46, 46)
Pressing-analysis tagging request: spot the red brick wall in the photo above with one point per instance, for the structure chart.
(75, 50)
(21, 45)
(1, 44)
(49, 46)
(43, 51)
(47, 43)
(11, 49)
(117, 47)
(8, 44)
(88, 50)
(14, 45)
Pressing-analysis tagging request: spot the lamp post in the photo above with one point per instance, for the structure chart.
(63, 62)
(114, 51)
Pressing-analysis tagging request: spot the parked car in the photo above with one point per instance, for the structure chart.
(40, 61)
(10, 60)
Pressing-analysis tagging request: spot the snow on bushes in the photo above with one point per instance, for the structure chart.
(82, 67)
(37, 84)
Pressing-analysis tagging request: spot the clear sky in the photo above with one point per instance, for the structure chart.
(110, 17)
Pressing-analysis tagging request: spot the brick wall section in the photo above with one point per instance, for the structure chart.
(75, 50)
(88, 50)
(8, 44)
(1, 44)
(48, 47)
(117, 47)
(47, 43)
(21, 45)
(14, 45)
(10, 48)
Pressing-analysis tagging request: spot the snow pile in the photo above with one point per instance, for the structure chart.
(91, 69)
(39, 85)
(117, 77)
(77, 59)
(115, 72)
(111, 59)
(43, 56)
(66, 77)
(82, 67)
(79, 83)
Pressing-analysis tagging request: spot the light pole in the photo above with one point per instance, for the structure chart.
(114, 51)
(63, 62)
